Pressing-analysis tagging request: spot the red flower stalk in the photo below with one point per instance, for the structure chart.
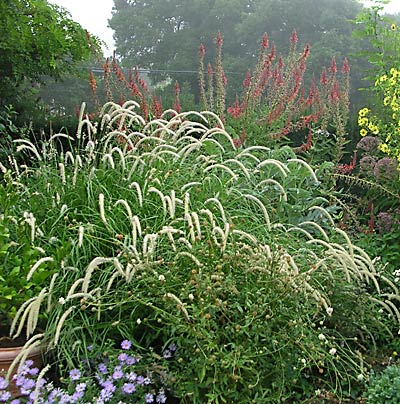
(333, 68)
(348, 168)
(281, 63)
(242, 139)
(324, 77)
(294, 38)
(210, 70)
(202, 51)
(247, 79)
(345, 67)
(307, 146)
(177, 105)
(235, 110)
(265, 41)
(156, 108)
(224, 79)
(107, 71)
(92, 82)
(121, 99)
(219, 39)
(313, 94)
(335, 92)
(306, 52)
(177, 89)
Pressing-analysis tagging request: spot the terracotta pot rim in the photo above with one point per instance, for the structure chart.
(10, 353)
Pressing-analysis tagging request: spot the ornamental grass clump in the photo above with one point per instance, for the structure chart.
(171, 234)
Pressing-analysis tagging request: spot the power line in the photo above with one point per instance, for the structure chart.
(149, 71)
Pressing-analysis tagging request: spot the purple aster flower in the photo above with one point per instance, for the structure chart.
(161, 397)
(122, 357)
(130, 360)
(33, 371)
(132, 376)
(108, 386)
(80, 387)
(76, 396)
(126, 344)
(5, 396)
(75, 374)
(140, 380)
(128, 388)
(19, 380)
(172, 347)
(106, 395)
(117, 374)
(167, 354)
(29, 384)
(3, 383)
(102, 367)
(149, 398)
(15, 401)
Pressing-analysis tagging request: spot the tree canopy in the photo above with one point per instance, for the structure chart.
(37, 39)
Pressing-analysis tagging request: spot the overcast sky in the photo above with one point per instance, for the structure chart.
(93, 16)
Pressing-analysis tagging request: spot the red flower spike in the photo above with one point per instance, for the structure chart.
(247, 79)
(202, 51)
(219, 39)
(265, 41)
(333, 68)
(324, 77)
(346, 66)
(294, 38)
(177, 89)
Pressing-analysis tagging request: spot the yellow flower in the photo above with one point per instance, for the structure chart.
(383, 78)
(363, 121)
(393, 72)
(386, 100)
(363, 112)
(363, 132)
(383, 147)
(393, 27)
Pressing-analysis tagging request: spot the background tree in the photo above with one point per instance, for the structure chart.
(37, 39)
(162, 35)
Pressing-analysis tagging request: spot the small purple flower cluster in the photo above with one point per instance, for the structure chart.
(110, 379)
(388, 221)
(369, 143)
(386, 169)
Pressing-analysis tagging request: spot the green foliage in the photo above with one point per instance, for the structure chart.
(37, 39)
(381, 36)
(384, 387)
(18, 254)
